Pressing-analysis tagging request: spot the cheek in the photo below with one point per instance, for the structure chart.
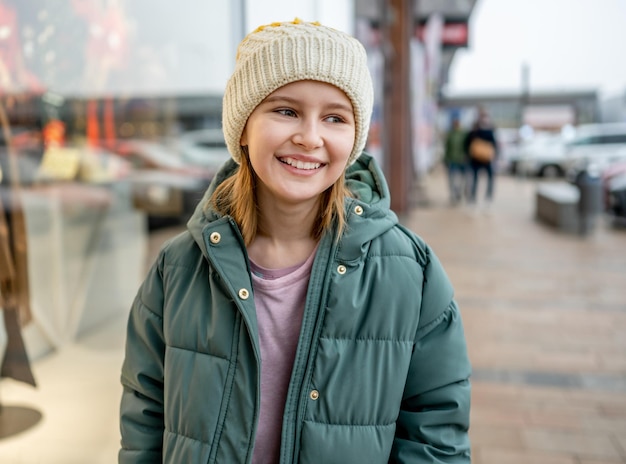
(258, 134)
(346, 146)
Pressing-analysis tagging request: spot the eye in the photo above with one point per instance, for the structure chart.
(335, 119)
(286, 112)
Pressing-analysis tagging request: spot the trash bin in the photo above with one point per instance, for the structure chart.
(590, 201)
(617, 199)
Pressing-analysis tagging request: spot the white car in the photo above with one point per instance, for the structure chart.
(508, 140)
(166, 186)
(594, 147)
(204, 147)
(542, 155)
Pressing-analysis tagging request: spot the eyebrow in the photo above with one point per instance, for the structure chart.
(282, 98)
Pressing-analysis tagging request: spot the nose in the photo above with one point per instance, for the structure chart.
(308, 135)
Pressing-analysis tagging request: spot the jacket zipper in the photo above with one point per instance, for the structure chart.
(295, 404)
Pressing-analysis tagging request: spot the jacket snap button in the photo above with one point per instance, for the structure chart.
(215, 237)
(341, 269)
(358, 210)
(314, 395)
(244, 294)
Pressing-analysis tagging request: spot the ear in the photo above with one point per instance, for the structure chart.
(243, 141)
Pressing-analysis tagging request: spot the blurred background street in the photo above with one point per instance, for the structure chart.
(545, 319)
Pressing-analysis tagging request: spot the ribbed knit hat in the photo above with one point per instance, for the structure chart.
(280, 53)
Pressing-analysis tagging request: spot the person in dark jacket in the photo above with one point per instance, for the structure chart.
(296, 320)
(482, 150)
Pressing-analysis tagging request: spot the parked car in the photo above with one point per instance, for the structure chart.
(595, 165)
(613, 180)
(165, 184)
(508, 140)
(594, 147)
(541, 155)
(204, 147)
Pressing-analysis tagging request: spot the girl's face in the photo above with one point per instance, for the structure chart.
(299, 140)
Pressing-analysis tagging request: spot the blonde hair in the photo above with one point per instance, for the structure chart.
(236, 197)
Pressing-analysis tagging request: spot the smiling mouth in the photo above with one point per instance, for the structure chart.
(300, 164)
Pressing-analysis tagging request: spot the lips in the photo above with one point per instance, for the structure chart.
(304, 165)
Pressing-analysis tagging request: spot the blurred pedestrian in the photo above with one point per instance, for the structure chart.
(455, 160)
(295, 320)
(481, 149)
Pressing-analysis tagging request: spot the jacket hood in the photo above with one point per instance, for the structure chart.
(365, 180)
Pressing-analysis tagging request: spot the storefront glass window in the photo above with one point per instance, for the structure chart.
(110, 128)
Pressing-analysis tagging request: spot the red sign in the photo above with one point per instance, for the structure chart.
(454, 34)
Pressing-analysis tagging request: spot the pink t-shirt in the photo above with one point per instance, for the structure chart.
(279, 296)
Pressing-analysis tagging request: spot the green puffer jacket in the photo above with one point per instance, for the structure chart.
(381, 372)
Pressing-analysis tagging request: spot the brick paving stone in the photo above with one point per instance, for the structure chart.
(497, 417)
(595, 461)
(547, 395)
(497, 436)
(495, 392)
(548, 417)
(609, 426)
(504, 456)
(588, 445)
(602, 399)
(613, 410)
(620, 440)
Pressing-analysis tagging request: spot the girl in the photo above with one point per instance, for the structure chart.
(296, 320)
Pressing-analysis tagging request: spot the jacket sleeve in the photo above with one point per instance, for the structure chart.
(141, 411)
(433, 422)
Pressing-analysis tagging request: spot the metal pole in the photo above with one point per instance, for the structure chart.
(525, 94)
(397, 140)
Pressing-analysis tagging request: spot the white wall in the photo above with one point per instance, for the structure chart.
(334, 13)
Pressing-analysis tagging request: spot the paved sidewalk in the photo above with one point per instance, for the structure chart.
(545, 319)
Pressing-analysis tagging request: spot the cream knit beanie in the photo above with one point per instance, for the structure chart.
(280, 53)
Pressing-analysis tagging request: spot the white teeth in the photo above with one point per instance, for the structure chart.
(301, 164)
